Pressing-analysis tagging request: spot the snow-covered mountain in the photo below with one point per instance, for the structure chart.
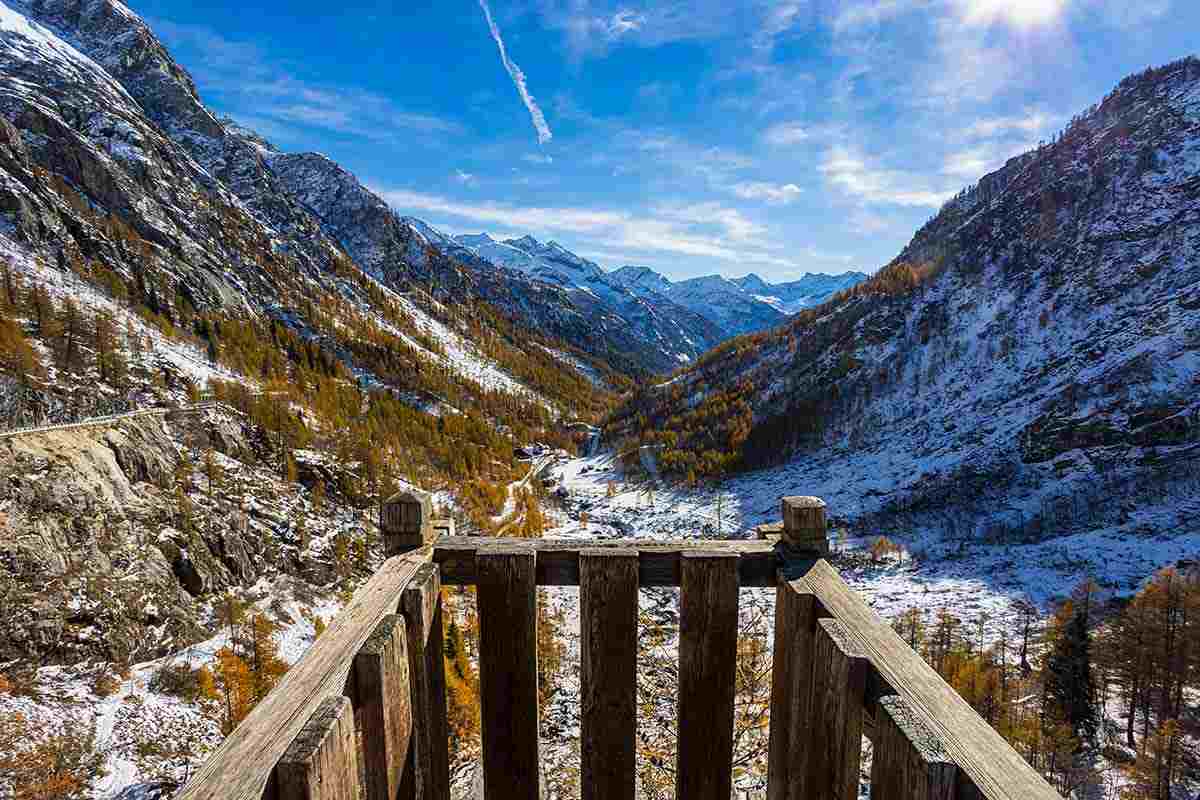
(791, 297)
(1026, 367)
(550, 262)
(99, 101)
(738, 305)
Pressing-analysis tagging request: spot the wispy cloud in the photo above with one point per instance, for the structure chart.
(466, 178)
(785, 134)
(544, 134)
(266, 94)
(701, 230)
(773, 193)
(537, 158)
(1029, 123)
(1017, 13)
(851, 172)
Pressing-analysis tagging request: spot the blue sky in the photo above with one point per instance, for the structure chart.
(694, 137)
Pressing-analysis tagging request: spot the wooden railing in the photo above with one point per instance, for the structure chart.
(839, 672)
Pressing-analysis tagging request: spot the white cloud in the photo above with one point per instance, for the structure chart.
(701, 230)
(537, 158)
(735, 224)
(625, 22)
(785, 134)
(1023, 14)
(1031, 122)
(872, 12)
(465, 178)
(848, 170)
(544, 133)
(774, 193)
(779, 18)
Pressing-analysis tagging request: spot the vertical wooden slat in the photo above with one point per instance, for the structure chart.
(381, 680)
(708, 622)
(608, 603)
(838, 690)
(322, 761)
(507, 596)
(791, 690)
(427, 669)
(910, 761)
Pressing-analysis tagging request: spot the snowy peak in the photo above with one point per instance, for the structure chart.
(550, 262)
(738, 305)
(641, 279)
(753, 284)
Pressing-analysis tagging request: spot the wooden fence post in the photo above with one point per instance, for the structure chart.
(322, 761)
(507, 596)
(608, 605)
(427, 677)
(791, 690)
(910, 762)
(838, 690)
(708, 623)
(382, 685)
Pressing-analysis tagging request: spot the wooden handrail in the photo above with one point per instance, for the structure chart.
(987, 764)
(658, 561)
(244, 764)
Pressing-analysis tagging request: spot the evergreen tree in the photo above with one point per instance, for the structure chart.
(1069, 685)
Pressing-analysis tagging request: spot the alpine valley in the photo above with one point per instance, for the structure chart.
(218, 359)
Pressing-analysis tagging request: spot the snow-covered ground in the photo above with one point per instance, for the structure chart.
(978, 584)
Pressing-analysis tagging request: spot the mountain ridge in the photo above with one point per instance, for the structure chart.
(1034, 348)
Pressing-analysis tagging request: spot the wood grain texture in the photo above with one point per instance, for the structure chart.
(839, 685)
(987, 765)
(322, 762)
(241, 766)
(658, 561)
(427, 677)
(708, 623)
(910, 761)
(608, 604)
(381, 684)
(791, 687)
(507, 597)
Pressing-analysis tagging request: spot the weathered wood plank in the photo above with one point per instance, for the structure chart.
(382, 686)
(608, 605)
(322, 762)
(839, 684)
(658, 561)
(241, 766)
(985, 761)
(507, 597)
(910, 762)
(708, 623)
(427, 671)
(796, 615)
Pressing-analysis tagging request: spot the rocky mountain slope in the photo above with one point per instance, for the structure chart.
(103, 105)
(1028, 365)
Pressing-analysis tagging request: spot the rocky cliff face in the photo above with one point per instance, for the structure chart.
(1032, 355)
(103, 557)
(89, 574)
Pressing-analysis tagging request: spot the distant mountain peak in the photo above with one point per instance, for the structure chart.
(525, 242)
